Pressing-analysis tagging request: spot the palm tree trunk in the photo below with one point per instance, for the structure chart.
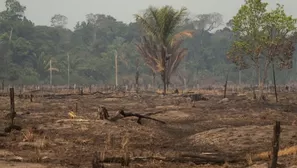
(167, 84)
(164, 76)
(153, 79)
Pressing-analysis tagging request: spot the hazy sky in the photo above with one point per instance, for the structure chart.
(40, 11)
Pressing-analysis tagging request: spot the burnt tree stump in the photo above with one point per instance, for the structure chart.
(12, 114)
(103, 113)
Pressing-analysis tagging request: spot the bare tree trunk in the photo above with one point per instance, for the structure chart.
(51, 73)
(185, 83)
(68, 71)
(259, 75)
(116, 67)
(264, 80)
(137, 75)
(94, 34)
(225, 86)
(154, 79)
(274, 82)
(10, 34)
(167, 83)
(2, 85)
(164, 74)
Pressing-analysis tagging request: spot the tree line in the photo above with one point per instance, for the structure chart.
(163, 46)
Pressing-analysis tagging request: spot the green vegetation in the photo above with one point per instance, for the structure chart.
(262, 37)
(26, 50)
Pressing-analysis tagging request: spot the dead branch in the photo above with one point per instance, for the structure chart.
(139, 116)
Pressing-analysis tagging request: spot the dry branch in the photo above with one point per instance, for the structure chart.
(139, 116)
(72, 120)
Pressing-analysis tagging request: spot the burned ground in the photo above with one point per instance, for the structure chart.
(230, 129)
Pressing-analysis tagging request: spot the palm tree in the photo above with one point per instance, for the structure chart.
(161, 45)
(41, 63)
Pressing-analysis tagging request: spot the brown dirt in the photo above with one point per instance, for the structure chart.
(237, 127)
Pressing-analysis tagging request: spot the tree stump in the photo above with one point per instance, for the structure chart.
(103, 113)
(176, 91)
(97, 162)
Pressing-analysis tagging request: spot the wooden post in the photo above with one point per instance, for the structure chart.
(116, 67)
(239, 78)
(51, 73)
(2, 85)
(275, 145)
(20, 95)
(68, 71)
(76, 107)
(12, 107)
(225, 85)
(137, 75)
(81, 91)
(31, 97)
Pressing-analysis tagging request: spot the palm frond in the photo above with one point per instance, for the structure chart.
(150, 52)
(180, 36)
(146, 25)
(173, 19)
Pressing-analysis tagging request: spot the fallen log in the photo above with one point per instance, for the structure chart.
(139, 116)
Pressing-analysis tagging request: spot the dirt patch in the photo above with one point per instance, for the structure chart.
(20, 165)
(243, 139)
(172, 115)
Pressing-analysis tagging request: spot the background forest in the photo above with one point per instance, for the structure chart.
(26, 51)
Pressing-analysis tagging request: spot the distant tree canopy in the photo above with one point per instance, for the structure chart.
(25, 49)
